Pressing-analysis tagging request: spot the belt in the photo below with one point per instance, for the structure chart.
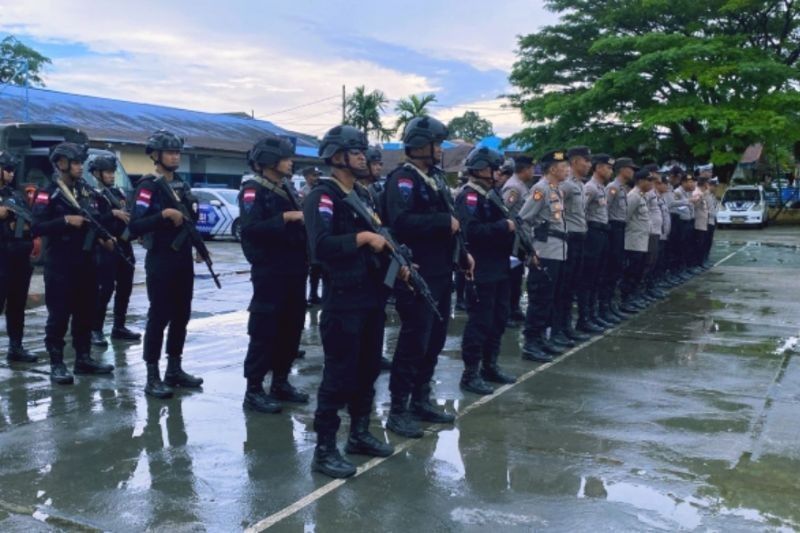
(598, 225)
(557, 233)
(577, 235)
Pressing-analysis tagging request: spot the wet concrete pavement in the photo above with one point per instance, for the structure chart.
(684, 418)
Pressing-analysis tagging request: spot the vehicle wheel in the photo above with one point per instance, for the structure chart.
(236, 230)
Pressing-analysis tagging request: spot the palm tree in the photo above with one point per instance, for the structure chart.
(363, 110)
(412, 107)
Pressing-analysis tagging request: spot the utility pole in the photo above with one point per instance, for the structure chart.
(344, 104)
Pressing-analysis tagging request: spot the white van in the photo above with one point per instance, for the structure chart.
(743, 205)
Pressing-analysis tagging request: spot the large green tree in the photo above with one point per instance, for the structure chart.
(364, 109)
(13, 54)
(412, 107)
(470, 127)
(685, 79)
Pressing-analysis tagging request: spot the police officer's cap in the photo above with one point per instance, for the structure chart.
(713, 181)
(554, 156)
(308, 171)
(579, 151)
(8, 161)
(523, 161)
(374, 154)
(103, 163)
(422, 131)
(664, 178)
(676, 170)
(650, 167)
(508, 167)
(686, 177)
(342, 138)
(624, 162)
(162, 141)
(483, 157)
(270, 149)
(70, 151)
(702, 180)
(602, 159)
(641, 174)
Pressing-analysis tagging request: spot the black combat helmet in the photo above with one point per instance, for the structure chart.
(71, 151)
(342, 138)
(481, 158)
(163, 141)
(8, 161)
(374, 154)
(103, 163)
(422, 131)
(269, 150)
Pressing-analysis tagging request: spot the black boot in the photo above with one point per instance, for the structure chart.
(17, 353)
(560, 340)
(386, 364)
(550, 347)
(155, 387)
(401, 422)
(256, 399)
(122, 333)
(532, 350)
(58, 370)
(176, 377)
(328, 460)
(604, 313)
(491, 371)
(84, 364)
(423, 409)
(571, 333)
(471, 381)
(284, 391)
(588, 326)
(99, 338)
(362, 442)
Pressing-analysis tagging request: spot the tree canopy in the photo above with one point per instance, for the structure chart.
(12, 55)
(689, 80)
(470, 127)
(412, 107)
(364, 109)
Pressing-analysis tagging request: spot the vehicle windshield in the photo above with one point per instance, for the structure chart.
(121, 179)
(741, 195)
(229, 195)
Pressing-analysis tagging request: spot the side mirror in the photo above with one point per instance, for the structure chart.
(215, 203)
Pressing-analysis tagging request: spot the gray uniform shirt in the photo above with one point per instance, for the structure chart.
(666, 220)
(545, 205)
(574, 204)
(700, 210)
(637, 229)
(656, 220)
(616, 192)
(681, 204)
(713, 207)
(596, 204)
(515, 192)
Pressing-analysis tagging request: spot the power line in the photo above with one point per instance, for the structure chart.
(297, 107)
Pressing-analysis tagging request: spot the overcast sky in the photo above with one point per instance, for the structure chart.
(243, 55)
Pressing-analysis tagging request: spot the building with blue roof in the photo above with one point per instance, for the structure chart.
(216, 144)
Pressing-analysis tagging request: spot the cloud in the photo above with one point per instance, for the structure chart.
(241, 55)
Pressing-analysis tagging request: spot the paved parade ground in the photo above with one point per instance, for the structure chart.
(685, 417)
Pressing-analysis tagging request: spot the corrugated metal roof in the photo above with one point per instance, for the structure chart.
(108, 120)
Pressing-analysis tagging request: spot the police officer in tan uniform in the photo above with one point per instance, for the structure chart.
(543, 211)
(514, 193)
(637, 236)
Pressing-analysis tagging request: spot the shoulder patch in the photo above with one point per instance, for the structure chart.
(325, 207)
(248, 198)
(538, 195)
(512, 197)
(144, 198)
(471, 201)
(405, 185)
(42, 198)
(612, 191)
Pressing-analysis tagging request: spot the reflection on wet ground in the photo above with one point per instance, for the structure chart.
(684, 418)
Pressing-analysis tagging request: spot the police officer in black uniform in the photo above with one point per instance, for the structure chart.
(490, 237)
(418, 209)
(15, 265)
(114, 274)
(353, 315)
(274, 242)
(170, 271)
(70, 277)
